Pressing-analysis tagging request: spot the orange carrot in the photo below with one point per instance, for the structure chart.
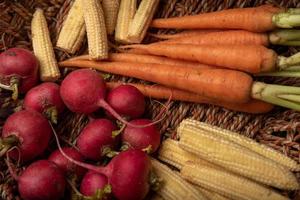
(161, 92)
(141, 58)
(278, 37)
(186, 33)
(248, 58)
(223, 37)
(257, 19)
(218, 84)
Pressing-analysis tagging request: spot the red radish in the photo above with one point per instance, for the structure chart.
(127, 100)
(45, 98)
(95, 138)
(84, 91)
(129, 169)
(67, 166)
(18, 70)
(141, 138)
(93, 182)
(42, 180)
(29, 131)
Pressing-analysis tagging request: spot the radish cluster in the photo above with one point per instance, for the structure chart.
(26, 135)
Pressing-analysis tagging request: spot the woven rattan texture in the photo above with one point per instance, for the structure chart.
(278, 129)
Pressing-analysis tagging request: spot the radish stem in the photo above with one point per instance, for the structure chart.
(285, 96)
(8, 142)
(51, 114)
(13, 86)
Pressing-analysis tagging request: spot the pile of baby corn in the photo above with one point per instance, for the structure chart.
(214, 163)
(95, 19)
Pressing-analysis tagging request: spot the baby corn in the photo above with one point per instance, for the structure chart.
(73, 30)
(111, 9)
(96, 29)
(173, 186)
(245, 142)
(141, 20)
(235, 158)
(126, 13)
(225, 183)
(211, 195)
(43, 48)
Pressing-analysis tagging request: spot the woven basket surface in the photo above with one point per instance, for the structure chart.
(278, 129)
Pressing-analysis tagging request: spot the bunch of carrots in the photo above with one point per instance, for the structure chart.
(214, 59)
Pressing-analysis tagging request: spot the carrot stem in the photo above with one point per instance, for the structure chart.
(288, 19)
(281, 73)
(289, 63)
(294, 10)
(285, 96)
(285, 37)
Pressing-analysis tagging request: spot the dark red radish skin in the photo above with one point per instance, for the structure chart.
(84, 91)
(127, 100)
(42, 180)
(30, 130)
(65, 165)
(91, 182)
(95, 137)
(17, 64)
(45, 98)
(128, 173)
(141, 138)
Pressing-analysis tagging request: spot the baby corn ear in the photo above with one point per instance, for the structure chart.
(126, 13)
(227, 184)
(245, 142)
(96, 29)
(141, 21)
(73, 30)
(43, 48)
(111, 9)
(235, 158)
(173, 186)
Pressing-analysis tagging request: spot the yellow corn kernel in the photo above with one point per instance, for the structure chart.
(141, 20)
(173, 186)
(246, 142)
(171, 153)
(235, 158)
(111, 9)
(96, 29)
(228, 184)
(210, 195)
(73, 30)
(126, 12)
(43, 48)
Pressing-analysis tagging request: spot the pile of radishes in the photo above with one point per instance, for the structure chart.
(48, 176)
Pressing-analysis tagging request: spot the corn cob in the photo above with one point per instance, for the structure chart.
(171, 153)
(210, 195)
(228, 184)
(95, 28)
(126, 12)
(174, 187)
(235, 158)
(73, 30)
(141, 20)
(43, 48)
(246, 142)
(111, 9)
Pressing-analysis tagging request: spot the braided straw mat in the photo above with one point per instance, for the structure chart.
(278, 129)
